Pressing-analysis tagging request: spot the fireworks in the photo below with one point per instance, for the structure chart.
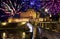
(15, 6)
(53, 6)
(10, 7)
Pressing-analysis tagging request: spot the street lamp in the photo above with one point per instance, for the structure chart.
(4, 23)
(46, 10)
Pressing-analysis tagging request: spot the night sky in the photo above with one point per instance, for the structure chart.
(17, 6)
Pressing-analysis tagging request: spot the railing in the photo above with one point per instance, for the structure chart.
(53, 26)
(46, 25)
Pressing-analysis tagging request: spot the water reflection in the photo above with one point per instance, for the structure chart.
(16, 33)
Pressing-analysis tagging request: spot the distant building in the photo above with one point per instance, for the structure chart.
(30, 13)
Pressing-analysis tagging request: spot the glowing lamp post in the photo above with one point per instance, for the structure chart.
(4, 35)
(46, 10)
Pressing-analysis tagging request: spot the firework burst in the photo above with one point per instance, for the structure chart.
(10, 7)
(53, 6)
